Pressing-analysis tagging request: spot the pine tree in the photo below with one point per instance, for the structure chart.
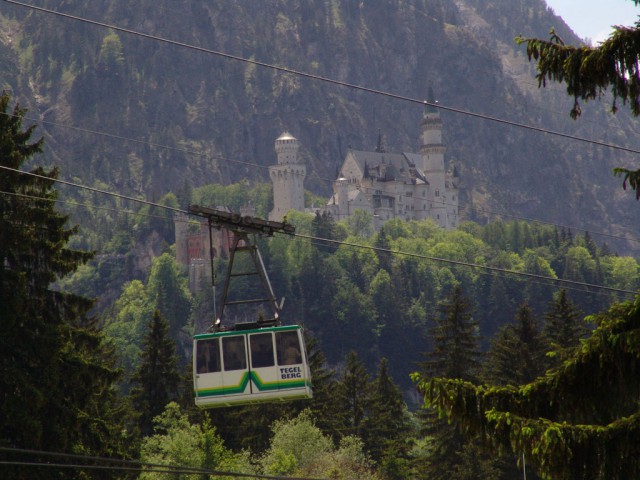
(354, 395)
(517, 354)
(516, 357)
(579, 420)
(156, 381)
(563, 327)
(386, 430)
(455, 354)
(169, 292)
(323, 405)
(455, 340)
(56, 375)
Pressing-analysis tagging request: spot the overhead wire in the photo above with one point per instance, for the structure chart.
(314, 77)
(324, 179)
(319, 77)
(127, 465)
(327, 241)
(338, 242)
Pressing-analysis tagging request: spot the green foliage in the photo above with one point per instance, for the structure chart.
(179, 443)
(589, 72)
(56, 374)
(299, 448)
(517, 353)
(236, 196)
(168, 292)
(296, 444)
(127, 324)
(155, 382)
(577, 421)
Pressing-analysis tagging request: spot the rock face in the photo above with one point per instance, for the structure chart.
(195, 116)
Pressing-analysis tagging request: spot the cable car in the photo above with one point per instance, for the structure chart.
(249, 365)
(249, 362)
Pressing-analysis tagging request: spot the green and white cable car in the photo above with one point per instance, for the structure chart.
(249, 366)
(250, 362)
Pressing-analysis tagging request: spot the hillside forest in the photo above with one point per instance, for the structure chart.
(505, 348)
(376, 306)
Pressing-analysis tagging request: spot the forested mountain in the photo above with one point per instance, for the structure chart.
(195, 117)
(172, 125)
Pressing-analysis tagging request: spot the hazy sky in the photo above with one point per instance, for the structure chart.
(593, 18)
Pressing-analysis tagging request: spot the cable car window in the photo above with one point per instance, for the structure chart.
(261, 350)
(208, 356)
(234, 354)
(288, 348)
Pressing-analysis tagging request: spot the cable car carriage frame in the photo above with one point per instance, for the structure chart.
(250, 362)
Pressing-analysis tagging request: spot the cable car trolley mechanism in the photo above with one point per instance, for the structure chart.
(248, 362)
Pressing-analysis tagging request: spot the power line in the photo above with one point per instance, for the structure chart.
(464, 264)
(69, 202)
(92, 189)
(128, 465)
(321, 78)
(316, 177)
(339, 242)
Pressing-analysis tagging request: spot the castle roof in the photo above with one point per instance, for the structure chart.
(385, 166)
(286, 136)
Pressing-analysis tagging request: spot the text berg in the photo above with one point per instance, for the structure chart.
(291, 372)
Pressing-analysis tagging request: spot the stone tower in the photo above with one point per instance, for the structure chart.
(432, 150)
(287, 177)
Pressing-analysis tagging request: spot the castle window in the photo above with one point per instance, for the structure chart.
(437, 193)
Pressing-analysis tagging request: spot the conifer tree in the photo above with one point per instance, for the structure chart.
(156, 381)
(168, 290)
(516, 357)
(580, 420)
(517, 354)
(563, 327)
(387, 429)
(455, 354)
(323, 405)
(354, 395)
(56, 375)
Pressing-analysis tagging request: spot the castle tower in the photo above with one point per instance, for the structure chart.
(432, 150)
(287, 178)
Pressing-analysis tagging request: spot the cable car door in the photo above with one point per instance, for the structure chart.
(235, 371)
(292, 370)
(207, 370)
(264, 373)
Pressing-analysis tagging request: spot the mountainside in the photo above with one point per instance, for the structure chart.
(170, 116)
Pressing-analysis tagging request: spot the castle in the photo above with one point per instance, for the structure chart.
(408, 186)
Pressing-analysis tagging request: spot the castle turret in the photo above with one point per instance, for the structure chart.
(287, 177)
(432, 150)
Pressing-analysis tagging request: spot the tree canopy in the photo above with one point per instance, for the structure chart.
(56, 373)
(589, 72)
(579, 420)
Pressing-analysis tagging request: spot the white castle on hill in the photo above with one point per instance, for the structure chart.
(409, 186)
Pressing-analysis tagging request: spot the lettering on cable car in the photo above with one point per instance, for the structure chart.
(290, 372)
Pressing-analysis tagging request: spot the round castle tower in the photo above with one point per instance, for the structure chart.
(432, 150)
(287, 178)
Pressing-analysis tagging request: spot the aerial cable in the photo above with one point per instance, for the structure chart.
(134, 465)
(332, 81)
(340, 242)
(327, 241)
(508, 275)
(78, 204)
(95, 190)
(316, 177)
